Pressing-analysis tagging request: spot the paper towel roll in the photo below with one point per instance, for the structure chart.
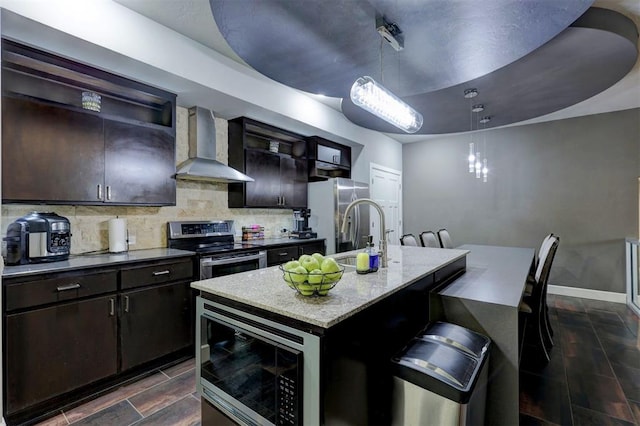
(117, 235)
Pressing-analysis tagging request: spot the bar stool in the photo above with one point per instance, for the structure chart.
(445, 239)
(429, 239)
(408, 240)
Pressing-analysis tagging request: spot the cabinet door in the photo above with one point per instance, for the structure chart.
(140, 164)
(50, 153)
(264, 168)
(154, 322)
(54, 350)
(293, 178)
(314, 247)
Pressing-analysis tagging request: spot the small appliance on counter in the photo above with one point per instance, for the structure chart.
(38, 237)
(301, 227)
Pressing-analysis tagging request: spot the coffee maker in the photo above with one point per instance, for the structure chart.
(301, 227)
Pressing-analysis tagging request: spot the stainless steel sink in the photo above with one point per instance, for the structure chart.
(349, 263)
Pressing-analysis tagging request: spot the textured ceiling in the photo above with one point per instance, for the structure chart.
(193, 19)
(526, 58)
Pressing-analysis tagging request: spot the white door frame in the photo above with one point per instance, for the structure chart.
(372, 167)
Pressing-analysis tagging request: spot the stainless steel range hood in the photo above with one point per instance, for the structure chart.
(202, 164)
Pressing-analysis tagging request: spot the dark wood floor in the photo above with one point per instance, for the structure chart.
(167, 397)
(593, 378)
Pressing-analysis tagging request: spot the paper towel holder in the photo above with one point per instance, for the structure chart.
(118, 235)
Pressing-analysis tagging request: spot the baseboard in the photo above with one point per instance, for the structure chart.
(586, 293)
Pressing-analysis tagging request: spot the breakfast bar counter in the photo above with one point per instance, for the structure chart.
(486, 299)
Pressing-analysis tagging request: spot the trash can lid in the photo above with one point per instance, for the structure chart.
(461, 338)
(439, 368)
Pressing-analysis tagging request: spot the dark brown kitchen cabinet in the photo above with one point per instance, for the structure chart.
(58, 150)
(275, 158)
(327, 159)
(70, 334)
(50, 153)
(139, 164)
(154, 322)
(282, 254)
(313, 247)
(53, 350)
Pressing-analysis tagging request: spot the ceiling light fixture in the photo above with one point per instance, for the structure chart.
(469, 94)
(372, 96)
(375, 98)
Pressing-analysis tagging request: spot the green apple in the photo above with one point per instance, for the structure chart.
(303, 257)
(290, 265)
(305, 289)
(315, 276)
(319, 257)
(310, 264)
(298, 274)
(331, 269)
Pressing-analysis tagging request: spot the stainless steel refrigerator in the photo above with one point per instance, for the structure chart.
(328, 201)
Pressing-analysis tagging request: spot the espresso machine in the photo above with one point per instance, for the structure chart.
(301, 227)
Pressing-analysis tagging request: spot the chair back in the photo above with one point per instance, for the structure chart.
(445, 239)
(408, 240)
(543, 255)
(429, 239)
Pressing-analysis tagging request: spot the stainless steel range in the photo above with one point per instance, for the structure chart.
(213, 241)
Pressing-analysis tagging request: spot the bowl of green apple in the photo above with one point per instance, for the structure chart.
(312, 274)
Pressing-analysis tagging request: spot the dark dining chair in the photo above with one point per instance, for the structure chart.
(408, 240)
(445, 239)
(429, 239)
(534, 306)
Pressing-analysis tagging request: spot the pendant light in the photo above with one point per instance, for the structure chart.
(485, 168)
(378, 100)
(372, 96)
(470, 94)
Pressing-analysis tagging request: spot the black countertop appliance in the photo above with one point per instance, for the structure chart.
(38, 237)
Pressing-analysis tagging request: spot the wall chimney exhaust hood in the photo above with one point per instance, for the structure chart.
(202, 164)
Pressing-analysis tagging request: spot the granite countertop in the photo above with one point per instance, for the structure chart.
(266, 289)
(93, 260)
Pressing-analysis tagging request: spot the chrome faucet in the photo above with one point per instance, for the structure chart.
(383, 234)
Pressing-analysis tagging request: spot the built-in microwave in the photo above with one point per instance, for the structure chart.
(252, 369)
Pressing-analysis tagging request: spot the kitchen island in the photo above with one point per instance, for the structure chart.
(346, 338)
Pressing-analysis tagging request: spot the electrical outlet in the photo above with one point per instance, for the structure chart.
(132, 239)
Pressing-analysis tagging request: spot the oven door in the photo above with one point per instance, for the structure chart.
(227, 264)
(253, 375)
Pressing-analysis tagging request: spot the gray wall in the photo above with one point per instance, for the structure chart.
(577, 178)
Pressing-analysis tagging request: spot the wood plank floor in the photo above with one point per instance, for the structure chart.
(167, 397)
(593, 378)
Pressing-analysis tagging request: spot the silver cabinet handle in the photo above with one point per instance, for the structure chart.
(68, 287)
(112, 307)
(108, 192)
(99, 192)
(165, 272)
(284, 201)
(126, 303)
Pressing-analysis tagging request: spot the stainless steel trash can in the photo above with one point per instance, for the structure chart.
(440, 377)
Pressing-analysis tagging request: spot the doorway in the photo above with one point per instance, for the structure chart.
(386, 190)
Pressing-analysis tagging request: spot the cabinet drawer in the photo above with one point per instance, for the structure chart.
(157, 273)
(279, 255)
(60, 288)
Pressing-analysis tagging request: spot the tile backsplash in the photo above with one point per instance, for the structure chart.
(147, 225)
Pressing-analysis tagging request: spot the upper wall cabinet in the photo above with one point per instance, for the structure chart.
(276, 159)
(73, 134)
(328, 159)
